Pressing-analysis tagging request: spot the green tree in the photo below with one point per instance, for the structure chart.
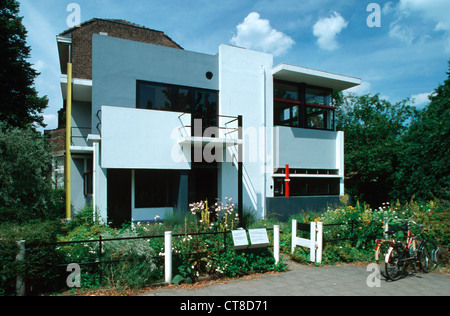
(373, 131)
(425, 162)
(25, 188)
(20, 104)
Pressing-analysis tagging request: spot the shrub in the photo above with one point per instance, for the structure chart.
(136, 266)
(361, 225)
(25, 190)
(39, 258)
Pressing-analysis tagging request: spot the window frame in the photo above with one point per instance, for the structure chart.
(302, 106)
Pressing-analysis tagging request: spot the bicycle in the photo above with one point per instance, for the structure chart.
(381, 249)
(402, 255)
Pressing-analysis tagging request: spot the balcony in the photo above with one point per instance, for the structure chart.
(195, 134)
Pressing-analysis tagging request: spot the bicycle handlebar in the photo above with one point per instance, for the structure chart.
(411, 221)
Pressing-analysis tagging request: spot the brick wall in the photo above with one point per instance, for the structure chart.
(82, 41)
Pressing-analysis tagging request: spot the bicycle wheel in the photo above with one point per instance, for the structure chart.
(428, 255)
(395, 263)
(381, 250)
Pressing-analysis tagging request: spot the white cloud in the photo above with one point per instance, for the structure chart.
(326, 29)
(401, 32)
(436, 11)
(364, 88)
(51, 120)
(256, 33)
(421, 98)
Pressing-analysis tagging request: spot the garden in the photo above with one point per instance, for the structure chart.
(132, 257)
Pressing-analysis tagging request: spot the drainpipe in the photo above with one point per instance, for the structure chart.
(263, 200)
(68, 136)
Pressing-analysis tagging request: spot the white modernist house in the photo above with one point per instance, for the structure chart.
(168, 127)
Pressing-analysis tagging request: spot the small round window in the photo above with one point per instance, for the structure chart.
(209, 75)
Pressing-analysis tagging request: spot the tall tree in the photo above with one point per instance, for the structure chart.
(425, 163)
(20, 105)
(373, 130)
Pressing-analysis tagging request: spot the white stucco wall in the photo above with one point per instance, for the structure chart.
(246, 88)
(142, 139)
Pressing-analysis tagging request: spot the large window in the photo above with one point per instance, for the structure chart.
(307, 186)
(201, 103)
(156, 188)
(299, 105)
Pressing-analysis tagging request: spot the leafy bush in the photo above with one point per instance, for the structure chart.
(25, 190)
(361, 225)
(136, 266)
(39, 259)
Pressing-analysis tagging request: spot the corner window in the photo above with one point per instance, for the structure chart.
(299, 105)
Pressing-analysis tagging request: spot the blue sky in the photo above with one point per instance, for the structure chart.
(406, 57)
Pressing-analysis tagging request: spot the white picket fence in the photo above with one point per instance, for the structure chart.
(315, 243)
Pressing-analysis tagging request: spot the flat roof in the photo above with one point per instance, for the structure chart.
(314, 77)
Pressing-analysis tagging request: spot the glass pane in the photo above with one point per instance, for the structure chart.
(317, 96)
(183, 100)
(205, 107)
(282, 114)
(315, 118)
(318, 187)
(155, 97)
(298, 187)
(286, 92)
(154, 188)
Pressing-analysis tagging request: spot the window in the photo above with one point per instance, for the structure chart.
(286, 92)
(88, 184)
(201, 103)
(303, 106)
(317, 96)
(307, 186)
(154, 188)
(287, 114)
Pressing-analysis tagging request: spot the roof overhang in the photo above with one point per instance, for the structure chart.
(64, 43)
(314, 77)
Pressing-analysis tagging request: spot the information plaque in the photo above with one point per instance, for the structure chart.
(240, 239)
(258, 238)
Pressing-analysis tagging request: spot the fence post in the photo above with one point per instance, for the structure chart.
(319, 241)
(20, 281)
(293, 235)
(386, 227)
(168, 257)
(312, 252)
(100, 260)
(276, 243)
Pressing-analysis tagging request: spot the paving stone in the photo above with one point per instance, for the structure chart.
(303, 280)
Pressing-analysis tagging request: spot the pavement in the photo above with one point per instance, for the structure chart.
(306, 280)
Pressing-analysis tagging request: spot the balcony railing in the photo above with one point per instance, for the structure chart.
(227, 128)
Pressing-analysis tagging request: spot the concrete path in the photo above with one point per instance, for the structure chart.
(302, 280)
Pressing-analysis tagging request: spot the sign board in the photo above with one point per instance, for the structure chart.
(240, 239)
(258, 238)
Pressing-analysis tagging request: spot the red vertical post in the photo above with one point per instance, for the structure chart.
(286, 181)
